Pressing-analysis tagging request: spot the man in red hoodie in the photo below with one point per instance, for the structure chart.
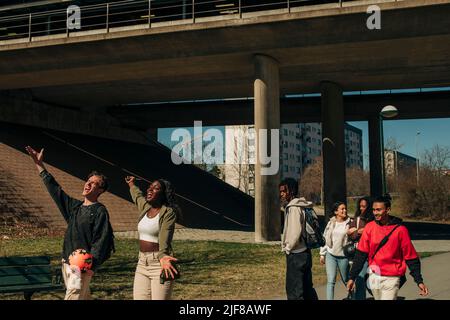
(387, 263)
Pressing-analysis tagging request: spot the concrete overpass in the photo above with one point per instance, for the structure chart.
(361, 107)
(325, 49)
(215, 59)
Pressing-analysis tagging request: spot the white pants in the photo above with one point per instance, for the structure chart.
(384, 288)
(146, 279)
(77, 284)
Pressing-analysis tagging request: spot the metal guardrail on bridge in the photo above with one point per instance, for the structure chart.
(143, 13)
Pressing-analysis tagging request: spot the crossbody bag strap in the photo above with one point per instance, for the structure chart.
(383, 242)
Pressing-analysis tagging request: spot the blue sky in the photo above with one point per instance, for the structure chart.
(432, 132)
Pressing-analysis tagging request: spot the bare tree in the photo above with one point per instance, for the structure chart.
(431, 198)
(437, 158)
(392, 144)
(357, 181)
(240, 172)
(311, 181)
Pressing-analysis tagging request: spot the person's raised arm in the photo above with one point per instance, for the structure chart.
(136, 195)
(62, 200)
(38, 158)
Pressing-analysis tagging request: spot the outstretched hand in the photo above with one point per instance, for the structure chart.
(130, 180)
(38, 157)
(167, 266)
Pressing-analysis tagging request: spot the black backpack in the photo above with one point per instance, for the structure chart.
(312, 233)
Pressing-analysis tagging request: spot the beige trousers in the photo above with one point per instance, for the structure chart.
(384, 288)
(77, 284)
(146, 279)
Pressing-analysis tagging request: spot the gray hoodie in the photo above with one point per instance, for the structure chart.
(292, 240)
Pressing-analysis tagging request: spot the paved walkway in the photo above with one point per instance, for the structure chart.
(249, 237)
(435, 274)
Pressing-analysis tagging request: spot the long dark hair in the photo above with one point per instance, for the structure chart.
(368, 214)
(168, 197)
(336, 206)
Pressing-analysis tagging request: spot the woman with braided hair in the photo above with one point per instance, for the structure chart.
(157, 216)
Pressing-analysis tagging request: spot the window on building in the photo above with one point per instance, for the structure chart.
(285, 132)
(285, 168)
(285, 156)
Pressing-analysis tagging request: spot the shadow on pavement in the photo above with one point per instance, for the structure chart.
(419, 230)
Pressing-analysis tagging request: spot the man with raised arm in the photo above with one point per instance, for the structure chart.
(88, 226)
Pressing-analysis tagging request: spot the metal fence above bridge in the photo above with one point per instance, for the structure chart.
(69, 20)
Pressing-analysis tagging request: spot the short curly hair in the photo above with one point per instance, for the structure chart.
(104, 180)
(292, 186)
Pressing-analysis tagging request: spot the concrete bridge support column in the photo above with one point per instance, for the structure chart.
(376, 167)
(267, 116)
(333, 146)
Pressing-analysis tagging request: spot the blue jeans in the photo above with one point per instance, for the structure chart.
(332, 264)
(360, 283)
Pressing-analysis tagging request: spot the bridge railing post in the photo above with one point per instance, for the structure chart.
(193, 11)
(29, 28)
(240, 9)
(149, 13)
(107, 17)
(289, 6)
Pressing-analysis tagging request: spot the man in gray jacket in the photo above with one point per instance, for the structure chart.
(299, 285)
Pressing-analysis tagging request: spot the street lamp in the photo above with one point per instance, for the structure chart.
(387, 112)
(417, 156)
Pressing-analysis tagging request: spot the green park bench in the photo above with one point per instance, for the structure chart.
(29, 275)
